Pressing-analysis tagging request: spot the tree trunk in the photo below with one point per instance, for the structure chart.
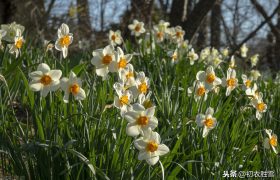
(216, 25)
(277, 43)
(202, 35)
(7, 10)
(196, 17)
(178, 13)
(84, 25)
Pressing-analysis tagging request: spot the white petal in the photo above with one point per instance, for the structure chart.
(199, 120)
(44, 68)
(55, 74)
(131, 116)
(153, 122)
(113, 66)
(66, 97)
(150, 112)
(54, 85)
(140, 144)
(64, 51)
(205, 131)
(64, 84)
(102, 72)
(143, 155)
(138, 107)
(36, 86)
(45, 91)
(152, 161)
(209, 111)
(200, 76)
(81, 95)
(36, 75)
(64, 29)
(266, 143)
(132, 129)
(162, 150)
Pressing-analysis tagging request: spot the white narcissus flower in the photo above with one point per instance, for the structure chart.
(124, 98)
(198, 90)
(137, 28)
(103, 59)
(145, 100)
(72, 86)
(178, 35)
(11, 30)
(115, 38)
(209, 77)
(45, 79)
(247, 82)
(225, 52)
(150, 147)
(271, 141)
(231, 82)
(18, 42)
(140, 119)
(207, 121)
(121, 62)
(64, 39)
(174, 56)
(243, 51)
(253, 92)
(204, 53)
(142, 84)
(162, 26)
(127, 76)
(255, 74)
(159, 35)
(259, 105)
(192, 56)
(254, 60)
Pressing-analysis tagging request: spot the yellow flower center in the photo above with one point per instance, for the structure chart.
(248, 83)
(231, 82)
(74, 89)
(159, 35)
(260, 106)
(273, 141)
(209, 122)
(200, 91)
(210, 78)
(174, 57)
(107, 59)
(151, 146)
(143, 87)
(45, 80)
(113, 37)
(19, 43)
(129, 75)
(142, 121)
(124, 100)
(122, 63)
(137, 28)
(179, 34)
(64, 41)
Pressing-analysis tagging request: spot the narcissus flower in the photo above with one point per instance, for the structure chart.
(124, 98)
(209, 77)
(177, 34)
(231, 82)
(127, 76)
(271, 141)
(243, 51)
(259, 105)
(253, 92)
(162, 26)
(64, 39)
(115, 38)
(122, 60)
(254, 60)
(103, 59)
(145, 100)
(255, 74)
(142, 84)
(159, 35)
(192, 56)
(45, 79)
(72, 86)
(207, 121)
(11, 30)
(198, 90)
(247, 82)
(15, 48)
(137, 28)
(150, 147)
(140, 119)
(174, 56)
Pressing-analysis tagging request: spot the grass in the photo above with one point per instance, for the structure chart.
(44, 138)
